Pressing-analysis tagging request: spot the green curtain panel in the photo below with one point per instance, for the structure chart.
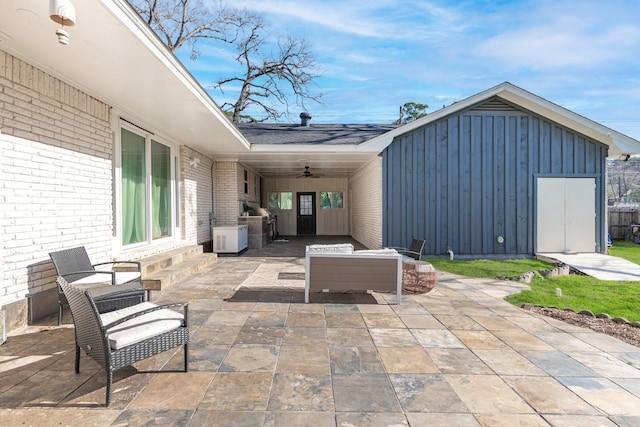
(160, 190)
(133, 188)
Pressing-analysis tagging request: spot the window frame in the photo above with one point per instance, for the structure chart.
(330, 198)
(280, 193)
(174, 209)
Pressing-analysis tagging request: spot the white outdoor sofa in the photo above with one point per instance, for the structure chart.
(340, 268)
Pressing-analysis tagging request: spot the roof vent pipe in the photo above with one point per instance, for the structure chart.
(305, 118)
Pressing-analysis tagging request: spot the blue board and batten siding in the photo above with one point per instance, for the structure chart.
(466, 179)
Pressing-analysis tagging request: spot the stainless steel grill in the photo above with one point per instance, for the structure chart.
(272, 222)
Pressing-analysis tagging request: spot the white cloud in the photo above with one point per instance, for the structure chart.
(552, 46)
(377, 19)
(553, 35)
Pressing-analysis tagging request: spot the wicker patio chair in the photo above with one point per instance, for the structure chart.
(120, 338)
(74, 265)
(414, 251)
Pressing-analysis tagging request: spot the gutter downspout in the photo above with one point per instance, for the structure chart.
(450, 252)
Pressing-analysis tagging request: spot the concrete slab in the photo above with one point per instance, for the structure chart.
(600, 266)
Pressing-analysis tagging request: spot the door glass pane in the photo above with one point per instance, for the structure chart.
(160, 190)
(133, 188)
(306, 205)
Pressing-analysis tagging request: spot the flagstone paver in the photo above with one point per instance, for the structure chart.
(456, 356)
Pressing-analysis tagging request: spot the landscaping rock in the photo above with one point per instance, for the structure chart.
(549, 273)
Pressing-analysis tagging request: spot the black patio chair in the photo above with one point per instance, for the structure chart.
(111, 290)
(120, 338)
(414, 251)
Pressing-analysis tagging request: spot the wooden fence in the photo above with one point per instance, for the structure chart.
(619, 221)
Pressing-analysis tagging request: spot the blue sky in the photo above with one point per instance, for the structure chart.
(375, 55)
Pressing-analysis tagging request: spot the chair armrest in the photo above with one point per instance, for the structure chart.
(185, 306)
(136, 263)
(417, 256)
(405, 251)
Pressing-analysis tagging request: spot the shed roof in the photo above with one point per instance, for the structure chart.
(617, 142)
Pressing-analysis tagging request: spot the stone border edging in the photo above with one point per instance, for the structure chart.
(621, 320)
(560, 270)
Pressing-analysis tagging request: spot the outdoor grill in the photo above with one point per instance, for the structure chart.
(272, 223)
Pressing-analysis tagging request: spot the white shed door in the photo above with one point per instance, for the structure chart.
(566, 215)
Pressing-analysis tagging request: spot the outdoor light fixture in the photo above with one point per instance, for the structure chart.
(64, 13)
(194, 162)
(624, 157)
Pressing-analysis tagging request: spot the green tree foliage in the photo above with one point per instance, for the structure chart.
(411, 111)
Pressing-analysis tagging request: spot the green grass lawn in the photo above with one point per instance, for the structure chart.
(618, 299)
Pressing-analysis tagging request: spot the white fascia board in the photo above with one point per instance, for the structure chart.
(125, 13)
(617, 142)
(299, 148)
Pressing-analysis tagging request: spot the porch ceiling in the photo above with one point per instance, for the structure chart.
(291, 163)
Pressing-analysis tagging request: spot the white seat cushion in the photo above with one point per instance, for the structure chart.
(140, 328)
(105, 279)
(343, 248)
(385, 251)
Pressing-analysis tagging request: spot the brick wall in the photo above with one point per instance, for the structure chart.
(366, 204)
(229, 194)
(226, 193)
(55, 177)
(196, 195)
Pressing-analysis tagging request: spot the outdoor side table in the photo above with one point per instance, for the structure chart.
(418, 276)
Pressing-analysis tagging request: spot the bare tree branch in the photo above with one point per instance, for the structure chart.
(287, 71)
(269, 77)
(178, 22)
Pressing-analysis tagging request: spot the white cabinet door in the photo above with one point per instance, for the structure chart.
(566, 215)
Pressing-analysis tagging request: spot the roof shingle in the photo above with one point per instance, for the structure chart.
(325, 134)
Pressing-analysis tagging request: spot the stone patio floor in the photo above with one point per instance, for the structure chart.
(259, 356)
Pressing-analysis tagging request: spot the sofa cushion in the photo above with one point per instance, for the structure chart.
(139, 328)
(100, 290)
(386, 251)
(343, 248)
